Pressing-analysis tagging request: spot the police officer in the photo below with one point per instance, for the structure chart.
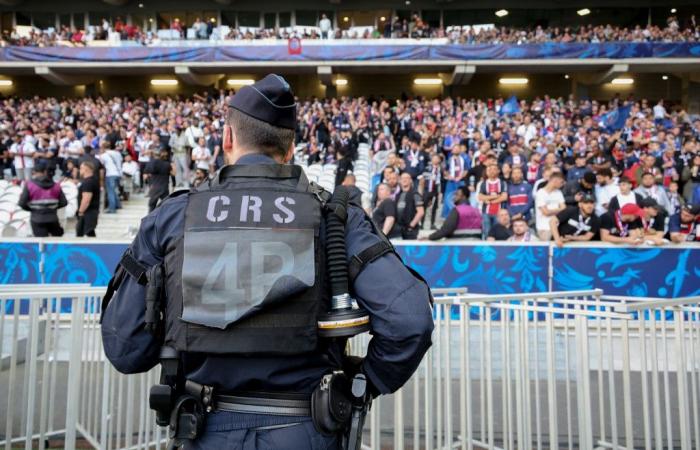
(242, 263)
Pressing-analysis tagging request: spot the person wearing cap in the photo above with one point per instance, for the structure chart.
(574, 191)
(685, 226)
(42, 197)
(236, 288)
(576, 223)
(654, 222)
(624, 226)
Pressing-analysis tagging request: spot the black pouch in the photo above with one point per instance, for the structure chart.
(331, 407)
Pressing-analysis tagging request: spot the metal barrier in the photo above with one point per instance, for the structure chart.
(526, 371)
(555, 370)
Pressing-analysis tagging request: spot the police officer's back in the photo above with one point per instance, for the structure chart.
(243, 267)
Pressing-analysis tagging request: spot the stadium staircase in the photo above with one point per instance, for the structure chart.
(14, 222)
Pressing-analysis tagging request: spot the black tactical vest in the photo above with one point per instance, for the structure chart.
(247, 275)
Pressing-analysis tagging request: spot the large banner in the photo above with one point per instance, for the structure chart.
(354, 52)
(636, 272)
(489, 269)
(666, 272)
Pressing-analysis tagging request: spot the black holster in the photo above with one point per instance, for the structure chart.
(339, 406)
(179, 404)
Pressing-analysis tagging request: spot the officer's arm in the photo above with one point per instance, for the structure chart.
(448, 226)
(399, 306)
(128, 346)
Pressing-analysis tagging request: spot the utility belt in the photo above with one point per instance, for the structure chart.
(338, 406)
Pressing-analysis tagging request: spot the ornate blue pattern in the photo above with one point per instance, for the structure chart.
(81, 263)
(480, 268)
(19, 263)
(498, 269)
(643, 272)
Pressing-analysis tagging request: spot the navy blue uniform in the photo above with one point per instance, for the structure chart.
(401, 325)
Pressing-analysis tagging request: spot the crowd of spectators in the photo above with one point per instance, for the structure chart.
(110, 149)
(550, 169)
(416, 28)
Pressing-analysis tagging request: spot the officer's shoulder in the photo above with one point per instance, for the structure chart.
(173, 203)
(178, 195)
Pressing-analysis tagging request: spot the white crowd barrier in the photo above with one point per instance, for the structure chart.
(520, 371)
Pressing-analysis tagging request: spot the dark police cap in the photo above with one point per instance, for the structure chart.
(270, 100)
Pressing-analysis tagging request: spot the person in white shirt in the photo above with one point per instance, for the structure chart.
(193, 133)
(145, 147)
(649, 189)
(625, 196)
(549, 201)
(131, 173)
(112, 162)
(605, 190)
(660, 112)
(71, 147)
(201, 155)
(527, 129)
(325, 25)
(23, 151)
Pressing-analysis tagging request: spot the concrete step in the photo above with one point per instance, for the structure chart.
(122, 225)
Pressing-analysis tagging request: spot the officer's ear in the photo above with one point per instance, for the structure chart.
(227, 139)
(290, 153)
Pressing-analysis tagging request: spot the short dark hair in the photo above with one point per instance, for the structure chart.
(89, 164)
(605, 172)
(257, 135)
(624, 179)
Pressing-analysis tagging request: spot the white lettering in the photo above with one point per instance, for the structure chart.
(279, 203)
(250, 203)
(211, 209)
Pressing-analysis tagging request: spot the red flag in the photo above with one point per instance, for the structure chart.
(294, 46)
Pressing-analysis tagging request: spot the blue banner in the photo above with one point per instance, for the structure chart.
(488, 269)
(81, 263)
(635, 272)
(615, 119)
(511, 106)
(666, 272)
(19, 263)
(355, 52)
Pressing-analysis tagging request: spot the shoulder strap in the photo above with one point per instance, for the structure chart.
(323, 195)
(127, 265)
(359, 261)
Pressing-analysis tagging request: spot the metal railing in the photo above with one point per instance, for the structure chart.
(518, 371)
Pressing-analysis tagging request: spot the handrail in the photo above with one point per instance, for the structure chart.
(641, 305)
(40, 293)
(487, 298)
(17, 287)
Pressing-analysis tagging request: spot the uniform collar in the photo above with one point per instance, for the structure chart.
(255, 158)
